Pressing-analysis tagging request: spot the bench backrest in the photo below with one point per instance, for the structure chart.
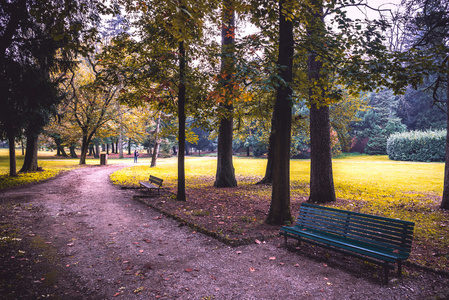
(156, 180)
(395, 235)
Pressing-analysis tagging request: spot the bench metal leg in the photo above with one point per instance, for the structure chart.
(386, 273)
(399, 268)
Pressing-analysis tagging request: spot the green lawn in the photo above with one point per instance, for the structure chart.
(370, 184)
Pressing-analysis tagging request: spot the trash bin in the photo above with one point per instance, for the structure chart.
(103, 159)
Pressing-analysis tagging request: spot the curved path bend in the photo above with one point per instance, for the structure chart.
(112, 247)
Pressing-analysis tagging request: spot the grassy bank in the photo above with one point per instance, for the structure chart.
(50, 164)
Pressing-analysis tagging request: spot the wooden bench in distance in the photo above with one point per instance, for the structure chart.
(379, 240)
(153, 183)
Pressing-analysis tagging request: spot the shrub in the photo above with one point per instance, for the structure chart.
(417, 146)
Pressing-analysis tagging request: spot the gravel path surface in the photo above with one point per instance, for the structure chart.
(108, 246)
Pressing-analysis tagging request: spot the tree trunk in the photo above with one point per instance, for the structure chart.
(84, 148)
(268, 178)
(321, 177)
(445, 200)
(107, 149)
(30, 162)
(280, 202)
(129, 146)
(225, 176)
(97, 150)
(119, 145)
(156, 141)
(112, 148)
(181, 194)
(72, 152)
(12, 156)
(59, 148)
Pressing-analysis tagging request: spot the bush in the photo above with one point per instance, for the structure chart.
(418, 146)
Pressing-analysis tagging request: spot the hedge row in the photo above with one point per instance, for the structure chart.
(417, 146)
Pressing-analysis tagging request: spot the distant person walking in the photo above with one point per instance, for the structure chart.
(136, 155)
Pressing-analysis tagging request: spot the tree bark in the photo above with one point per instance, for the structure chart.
(85, 146)
(97, 150)
(72, 152)
(30, 161)
(268, 178)
(12, 156)
(119, 145)
(280, 202)
(445, 199)
(156, 141)
(181, 194)
(321, 177)
(129, 146)
(225, 176)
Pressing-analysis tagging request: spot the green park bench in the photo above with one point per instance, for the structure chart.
(379, 240)
(153, 183)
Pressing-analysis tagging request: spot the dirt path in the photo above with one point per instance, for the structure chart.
(89, 240)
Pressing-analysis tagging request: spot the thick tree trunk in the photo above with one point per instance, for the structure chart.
(280, 202)
(119, 146)
(181, 194)
(12, 156)
(225, 176)
(321, 177)
(72, 152)
(30, 161)
(268, 178)
(156, 141)
(107, 149)
(61, 151)
(112, 148)
(445, 200)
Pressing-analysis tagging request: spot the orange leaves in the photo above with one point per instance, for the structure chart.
(229, 89)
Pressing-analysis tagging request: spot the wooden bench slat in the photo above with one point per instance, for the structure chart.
(374, 238)
(362, 231)
(365, 249)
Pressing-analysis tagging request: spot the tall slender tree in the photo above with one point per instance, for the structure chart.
(321, 177)
(280, 203)
(225, 175)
